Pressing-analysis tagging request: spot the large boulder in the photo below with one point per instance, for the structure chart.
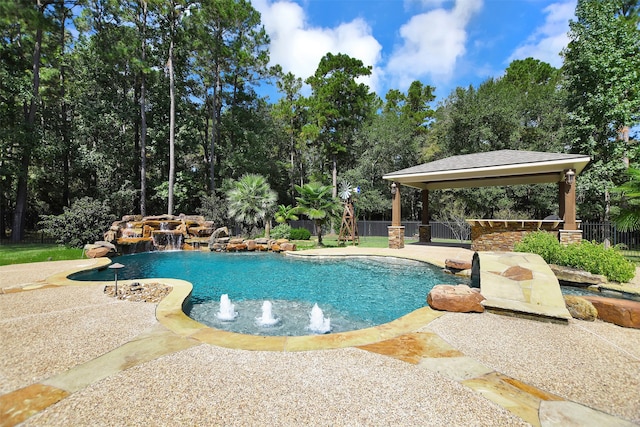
(457, 298)
(457, 264)
(621, 312)
(99, 249)
(236, 246)
(251, 245)
(97, 252)
(288, 246)
(580, 308)
(574, 275)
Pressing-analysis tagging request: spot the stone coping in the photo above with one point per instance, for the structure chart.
(555, 223)
(170, 314)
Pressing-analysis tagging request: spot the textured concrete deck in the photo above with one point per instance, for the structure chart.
(410, 339)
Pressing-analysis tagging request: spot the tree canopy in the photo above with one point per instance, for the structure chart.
(151, 107)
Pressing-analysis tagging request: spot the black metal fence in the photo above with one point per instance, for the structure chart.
(439, 230)
(31, 238)
(628, 241)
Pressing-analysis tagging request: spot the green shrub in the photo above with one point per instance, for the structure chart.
(84, 222)
(300, 234)
(588, 256)
(595, 258)
(542, 243)
(281, 231)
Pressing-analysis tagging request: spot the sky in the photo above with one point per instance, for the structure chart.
(442, 43)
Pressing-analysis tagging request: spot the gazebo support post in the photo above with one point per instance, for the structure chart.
(424, 230)
(396, 230)
(569, 233)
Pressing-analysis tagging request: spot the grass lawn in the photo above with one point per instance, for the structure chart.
(23, 253)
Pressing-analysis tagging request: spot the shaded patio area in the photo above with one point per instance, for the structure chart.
(493, 168)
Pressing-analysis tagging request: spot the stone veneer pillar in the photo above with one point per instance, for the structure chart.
(570, 236)
(424, 232)
(396, 237)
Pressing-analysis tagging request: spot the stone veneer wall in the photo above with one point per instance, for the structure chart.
(396, 237)
(501, 236)
(424, 231)
(570, 236)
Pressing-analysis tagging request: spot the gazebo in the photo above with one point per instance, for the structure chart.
(493, 168)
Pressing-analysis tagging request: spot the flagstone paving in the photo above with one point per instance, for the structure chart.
(404, 339)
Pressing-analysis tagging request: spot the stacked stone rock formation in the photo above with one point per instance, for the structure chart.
(135, 234)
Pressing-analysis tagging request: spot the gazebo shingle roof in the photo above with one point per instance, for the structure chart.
(485, 159)
(503, 167)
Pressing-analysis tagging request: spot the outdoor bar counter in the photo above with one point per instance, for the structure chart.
(503, 234)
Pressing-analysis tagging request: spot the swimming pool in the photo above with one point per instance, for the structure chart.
(353, 292)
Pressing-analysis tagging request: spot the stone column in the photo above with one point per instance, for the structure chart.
(569, 216)
(424, 229)
(568, 237)
(395, 205)
(396, 237)
(569, 233)
(396, 230)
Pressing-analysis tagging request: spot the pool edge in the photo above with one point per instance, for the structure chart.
(170, 314)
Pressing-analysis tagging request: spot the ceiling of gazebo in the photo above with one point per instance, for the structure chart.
(492, 168)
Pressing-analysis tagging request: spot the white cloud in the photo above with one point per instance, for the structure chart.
(432, 42)
(550, 38)
(298, 46)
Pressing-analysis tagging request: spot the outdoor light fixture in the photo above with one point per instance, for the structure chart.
(115, 267)
(394, 189)
(569, 176)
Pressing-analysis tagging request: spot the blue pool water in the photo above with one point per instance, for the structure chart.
(353, 292)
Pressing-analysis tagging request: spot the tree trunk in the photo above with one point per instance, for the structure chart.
(172, 125)
(319, 232)
(267, 227)
(17, 231)
(214, 131)
(64, 124)
(334, 175)
(143, 117)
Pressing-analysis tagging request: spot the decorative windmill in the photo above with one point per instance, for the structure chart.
(349, 228)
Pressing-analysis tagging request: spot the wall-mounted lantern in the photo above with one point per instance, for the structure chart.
(394, 189)
(569, 176)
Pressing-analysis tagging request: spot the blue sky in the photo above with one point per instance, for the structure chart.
(443, 43)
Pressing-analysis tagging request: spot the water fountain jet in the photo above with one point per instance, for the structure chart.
(267, 318)
(227, 309)
(318, 323)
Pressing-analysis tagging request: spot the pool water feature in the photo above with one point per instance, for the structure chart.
(353, 292)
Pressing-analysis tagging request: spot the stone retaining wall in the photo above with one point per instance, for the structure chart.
(502, 235)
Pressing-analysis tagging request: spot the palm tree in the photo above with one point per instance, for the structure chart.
(252, 200)
(317, 203)
(285, 214)
(629, 217)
